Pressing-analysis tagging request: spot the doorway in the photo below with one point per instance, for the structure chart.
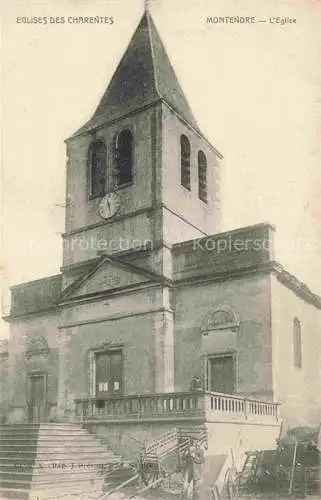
(109, 372)
(221, 374)
(37, 398)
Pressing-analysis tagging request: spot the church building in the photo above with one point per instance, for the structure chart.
(155, 306)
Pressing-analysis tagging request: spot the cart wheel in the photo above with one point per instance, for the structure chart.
(150, 473)
(231, 483)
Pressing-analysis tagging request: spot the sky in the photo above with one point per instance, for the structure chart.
(254, 89)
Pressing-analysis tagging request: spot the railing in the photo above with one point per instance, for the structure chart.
(240, 408)
(141, 406)
(201, 405)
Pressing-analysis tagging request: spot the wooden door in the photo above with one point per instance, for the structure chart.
(221, 374)
(37, 398)
(109, 372)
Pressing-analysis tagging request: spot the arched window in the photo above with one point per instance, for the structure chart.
(185, 162)
(297, 344)
(97, 168)
(202, 176)
(123, 158)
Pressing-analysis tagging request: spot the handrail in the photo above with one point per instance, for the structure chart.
(190, 404)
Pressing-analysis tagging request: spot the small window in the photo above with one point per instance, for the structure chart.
(297, 344)
(97, 168)
(202, 176)
(123, 158)
(185, 162)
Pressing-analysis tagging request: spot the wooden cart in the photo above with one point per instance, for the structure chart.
(290, 470)
(159, 461)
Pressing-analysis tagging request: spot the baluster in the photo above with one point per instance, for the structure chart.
(135, 405)
(158, 406)
(139, 405)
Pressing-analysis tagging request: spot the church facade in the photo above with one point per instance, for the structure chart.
(153, 298)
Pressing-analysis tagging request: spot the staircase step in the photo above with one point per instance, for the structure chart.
(42, 432)
(28, 467)
(49, 442)
(54, 446)
(58, 457)
(13, 494)
(66, 459)
(42, 427)
(51, 476)
(63, 482)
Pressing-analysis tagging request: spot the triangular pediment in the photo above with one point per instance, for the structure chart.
(106, 276)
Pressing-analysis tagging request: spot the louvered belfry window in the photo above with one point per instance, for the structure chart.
(123, 158)
(185, 162)
(202, 176)
(97, 168)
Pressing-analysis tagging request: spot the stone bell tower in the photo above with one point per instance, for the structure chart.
(140, 174)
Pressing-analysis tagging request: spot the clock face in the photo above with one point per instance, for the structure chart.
(109, 205)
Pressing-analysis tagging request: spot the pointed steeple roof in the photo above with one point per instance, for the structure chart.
(144, 76)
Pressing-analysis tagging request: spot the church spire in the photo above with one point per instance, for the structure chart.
(143, 77)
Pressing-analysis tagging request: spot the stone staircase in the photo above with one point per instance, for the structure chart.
(52, 461)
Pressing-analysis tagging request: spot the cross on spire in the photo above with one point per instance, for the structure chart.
(146, 5)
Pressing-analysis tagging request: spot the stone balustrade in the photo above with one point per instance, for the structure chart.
(202, 406)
